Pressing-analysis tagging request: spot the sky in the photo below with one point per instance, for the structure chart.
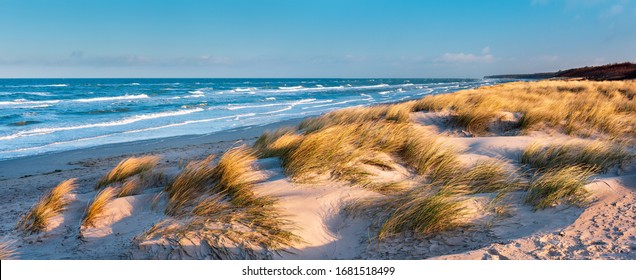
(300, 39)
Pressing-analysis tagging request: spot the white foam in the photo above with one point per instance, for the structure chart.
(21, 101)
(110, 98)
(133, 119)
(288, 88)
(374, 86)
(36, 86)
(339, 103)
(294, 103)
(188, 122)
(384, 92)
(270, 98)
(244, 89)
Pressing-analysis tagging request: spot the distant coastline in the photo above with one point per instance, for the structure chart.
(610, 72)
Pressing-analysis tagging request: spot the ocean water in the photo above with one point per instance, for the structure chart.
(47, 115)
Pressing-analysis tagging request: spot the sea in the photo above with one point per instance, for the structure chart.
(49, 115)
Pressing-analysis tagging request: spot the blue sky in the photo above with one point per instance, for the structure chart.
(327, 38)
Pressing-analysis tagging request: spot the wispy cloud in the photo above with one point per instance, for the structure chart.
(485, 57)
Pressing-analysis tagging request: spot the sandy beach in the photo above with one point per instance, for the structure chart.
(317, 214)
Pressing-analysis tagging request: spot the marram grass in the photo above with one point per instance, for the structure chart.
(97, 207)
(49, 206)
(559, 185)
(128, 168)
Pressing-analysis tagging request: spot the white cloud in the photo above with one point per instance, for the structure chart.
(485, 57)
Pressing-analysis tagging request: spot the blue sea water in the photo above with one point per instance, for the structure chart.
(47, 115)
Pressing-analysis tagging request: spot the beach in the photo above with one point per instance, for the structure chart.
(333, 215)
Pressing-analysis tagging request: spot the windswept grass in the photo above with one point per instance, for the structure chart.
(96, 209)
(340, 151)
(398, 113)
(227, 231)
(489, 176)
(277, 143)
(574, 107)
(128, 168)
(193, 181)
(559, 185)
(425, 214)
(7, 251)
(429, 155)
(235, 175)
(426, 209)
(595, 155)
(52, 204)
(132, 186)
(216, 206)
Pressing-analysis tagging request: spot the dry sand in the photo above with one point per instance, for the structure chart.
(606, 229)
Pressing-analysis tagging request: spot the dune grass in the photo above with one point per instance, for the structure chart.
(276, 143)
(579, 108)
(128, 168)
(398, 113)
(131, 186)
(235, 175)
(425, 214)
(559, 185)
(429, 155)
(49, 206)
(193, 181)
(595, 155)
(340, 151)
(423, 210)
(96, 209)
(7, 250)
(227, 231)
(491, 176)
(215, 204)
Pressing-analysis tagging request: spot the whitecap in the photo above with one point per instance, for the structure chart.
(110, 98)
(133, 119)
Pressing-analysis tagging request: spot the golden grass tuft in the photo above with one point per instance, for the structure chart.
(7, 251)
(339, 151)
(596, 155)
(52, 204)
(422, 210)
(398, 113)
(128, 168)
(96, 209)
(559, 185)
(235, 175)
(215, 205)
(579, 108)
(488, 176)
(277, 143)
(429, 155)
(193, 181)
(423, 214)
(227, 231)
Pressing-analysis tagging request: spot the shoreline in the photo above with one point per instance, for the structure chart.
(61, 160)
